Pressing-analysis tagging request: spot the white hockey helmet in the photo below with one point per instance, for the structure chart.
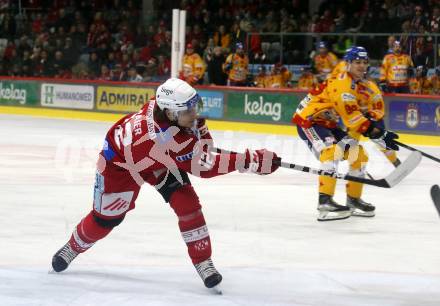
(177, 95)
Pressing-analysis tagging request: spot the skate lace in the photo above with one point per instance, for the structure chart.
(206, 268)
(67, 253)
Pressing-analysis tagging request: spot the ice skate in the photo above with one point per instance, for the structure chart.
(330, 210)
(360, 208)
(62, 259)
(209, 275)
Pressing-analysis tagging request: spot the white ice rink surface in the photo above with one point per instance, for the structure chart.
(266, 240)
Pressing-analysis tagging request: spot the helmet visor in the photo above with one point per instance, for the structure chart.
(194, 105)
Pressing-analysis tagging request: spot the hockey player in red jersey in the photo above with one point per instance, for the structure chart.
(159, 145)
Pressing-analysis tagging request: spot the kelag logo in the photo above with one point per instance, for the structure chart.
(10, 92)
(262, 107)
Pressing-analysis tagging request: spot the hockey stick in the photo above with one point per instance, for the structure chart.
(392, 179)
(414, 149)
(435, 195)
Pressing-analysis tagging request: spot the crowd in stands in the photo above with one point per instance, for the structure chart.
(110, 40)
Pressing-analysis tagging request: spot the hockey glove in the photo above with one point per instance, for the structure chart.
(384, 137)
(260, 162)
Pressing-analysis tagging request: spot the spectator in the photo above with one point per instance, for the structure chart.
(46, 66)
(94, 64)
(117, 74)
(193, 67)
(105, 73)
(133, 75)
(418, 18)
(163, 67)
(434, 23)
(59, 64)
(215, 60)
(221, 38)
(150, 74)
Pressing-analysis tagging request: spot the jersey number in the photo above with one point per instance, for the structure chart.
(350, 108)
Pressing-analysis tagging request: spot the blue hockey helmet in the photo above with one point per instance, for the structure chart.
(355, 53)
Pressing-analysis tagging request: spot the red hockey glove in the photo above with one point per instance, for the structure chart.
(260, 162)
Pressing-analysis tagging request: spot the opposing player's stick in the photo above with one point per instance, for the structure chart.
(414, 149)
(392, 179)
(435, 195)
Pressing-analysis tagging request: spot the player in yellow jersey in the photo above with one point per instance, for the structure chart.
(193, 67)
(420, 84)
(317, 118)
(324, 61)
(394, 70)
(340, 67)
(260, 79)
(236, 66)
(307, 80)
(435, 81)
(279, 77)
(372, 104)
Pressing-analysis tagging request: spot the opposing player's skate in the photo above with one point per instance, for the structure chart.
(209, 275)
(62, 259)
(360, 208)
(330, 210)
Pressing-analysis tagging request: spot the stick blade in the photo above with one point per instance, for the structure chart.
(435, 195)
(404, 169)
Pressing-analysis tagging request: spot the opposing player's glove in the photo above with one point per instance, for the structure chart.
(260, 162)
(385, 137)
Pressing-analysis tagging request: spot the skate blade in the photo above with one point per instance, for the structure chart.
(365, 214)
(332, 216)
(216, 290)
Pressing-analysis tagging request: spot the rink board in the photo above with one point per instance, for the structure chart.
(213, 124)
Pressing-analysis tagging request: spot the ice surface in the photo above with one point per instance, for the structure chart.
(266, 240)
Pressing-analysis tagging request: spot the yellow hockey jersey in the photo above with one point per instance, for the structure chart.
(341, 67)
(325, 64)
(193, 67)
(261, 80)
(394, 69)
(236, 67)
(279, 79)
(371, 101)
(435, 83)
(421, 86)
(334, 99)
(307, 81)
